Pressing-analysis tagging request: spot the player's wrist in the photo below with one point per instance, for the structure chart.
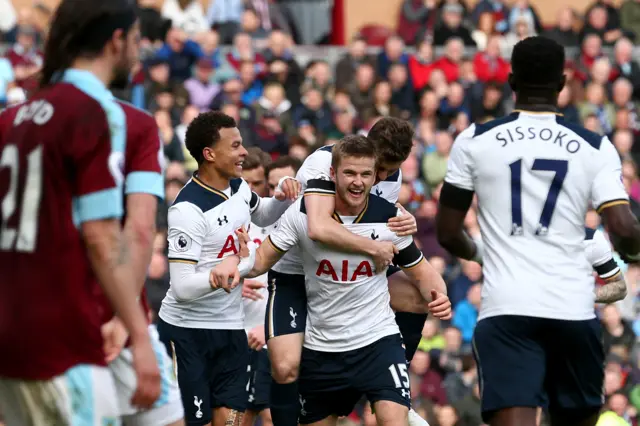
(479, 253)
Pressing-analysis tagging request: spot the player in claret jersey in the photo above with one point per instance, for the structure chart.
(60, 236)
(352, 343)
(142, 165)
(537, 341)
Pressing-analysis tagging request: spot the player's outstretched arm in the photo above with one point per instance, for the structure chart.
(453, 206)
(265, 211)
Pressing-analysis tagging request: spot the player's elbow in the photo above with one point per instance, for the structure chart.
(315, 229)
(141, 233)
(102, 238)
(181, 294)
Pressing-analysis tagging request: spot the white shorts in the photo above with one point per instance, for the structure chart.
(168, 408)
(84, 395)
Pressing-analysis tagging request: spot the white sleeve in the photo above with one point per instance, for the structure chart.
(460, 165)
(265, 211)
(599, 255)
(287, 234)
(394, 193)
(315, 166)
(607, 187)
(186, 283)
(402, 242)
(187, 229)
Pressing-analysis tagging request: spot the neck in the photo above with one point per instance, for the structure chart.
(542, 101)
(344, 209)
(96, 66)
(210, 176)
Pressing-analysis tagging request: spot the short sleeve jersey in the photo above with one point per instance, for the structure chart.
(202, 224)
(535, 176)
(348, 303)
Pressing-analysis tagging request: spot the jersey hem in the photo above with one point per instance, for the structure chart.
(538, 314)
(205, 325)
(331, 347)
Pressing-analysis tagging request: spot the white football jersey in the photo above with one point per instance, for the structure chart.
(535, 176)
(348, 303)
(599, 255)
(202, 224)
(254, 310)
(317, 166)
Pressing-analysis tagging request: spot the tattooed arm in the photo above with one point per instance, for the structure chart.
(612, 291)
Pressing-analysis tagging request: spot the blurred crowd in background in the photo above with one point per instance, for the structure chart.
(444, 67)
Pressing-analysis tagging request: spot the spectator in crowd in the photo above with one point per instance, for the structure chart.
(347, 65)
(498, 9)
(180, 53)
(625, 66)
(466, 312)
(153, 26)
(523, 10)
(451, 27)
(393, 52)
(421, 65)
(563, 31)
(488, 65)
(202, 90)
(449, 63)
(630, 17)
(484, 29)
(566, 106)
(25, 57)
(250, 24)
(188, 15)
(224, 17)
(416, 17)
(596, 103)
(8, 17)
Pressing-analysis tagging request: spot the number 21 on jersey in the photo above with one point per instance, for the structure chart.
(560, 169)
(27, 232)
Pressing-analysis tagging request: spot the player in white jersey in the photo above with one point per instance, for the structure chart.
(537, 341)
(286, 319)
(256, 170)
(352, 343)
(203, 326)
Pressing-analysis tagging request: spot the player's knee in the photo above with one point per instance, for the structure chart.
(390, 413)
(285, 370)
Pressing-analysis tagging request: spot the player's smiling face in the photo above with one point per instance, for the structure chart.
(354, 178)
(229, 153)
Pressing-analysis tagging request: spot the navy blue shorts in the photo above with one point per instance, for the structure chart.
(332, 383)
(410, 324)
(259, 381)
(286, 306)
(538, 362)
(212, 368)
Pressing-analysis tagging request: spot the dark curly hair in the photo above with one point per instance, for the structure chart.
(204, 132)
(393, 139)
(537, 63)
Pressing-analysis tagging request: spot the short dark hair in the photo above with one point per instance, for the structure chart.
(393, 139)
(537, 63)
(282, 162)
(204, 131)
(256, 158)
(352, 146)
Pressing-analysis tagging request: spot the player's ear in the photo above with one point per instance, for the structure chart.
(208, 154)
(562, 82)
(512, 82)
(333, 174)
(118, 42)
